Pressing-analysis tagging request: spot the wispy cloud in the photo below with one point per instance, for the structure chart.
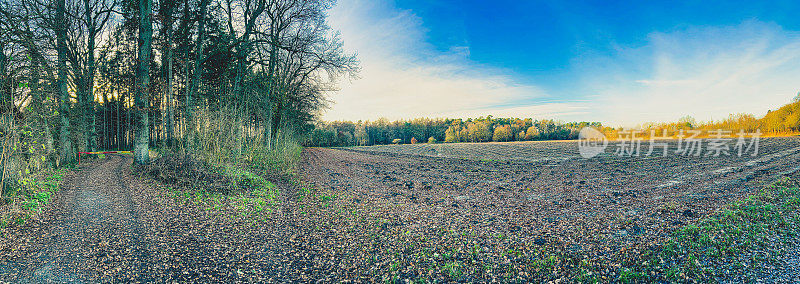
(404, 77)
(706, 72)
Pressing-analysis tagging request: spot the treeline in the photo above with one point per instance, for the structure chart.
(485, 129)
(216, 78)
(784, 120)
(425, 130)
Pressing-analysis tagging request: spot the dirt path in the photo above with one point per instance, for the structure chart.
(97, 223)
(106, 225)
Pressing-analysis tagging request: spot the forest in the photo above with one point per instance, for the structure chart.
(219, 79)
(424, 130)
(784, 120)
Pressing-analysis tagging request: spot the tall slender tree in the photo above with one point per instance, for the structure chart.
(142, 92)
(166, 11)
(65, 146)
(198, 70)
(5, 94)
(96, 15)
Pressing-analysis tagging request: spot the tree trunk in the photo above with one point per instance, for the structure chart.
(268, 127)
(65, 152)
(5, 95)
(108, 122)
(166, 59)
(80, 107)
(271, 130)
(5, 113)
(141, 141)
(197, 72)
(241, 65)
(37, 99)
(243, 49)
(89, 105)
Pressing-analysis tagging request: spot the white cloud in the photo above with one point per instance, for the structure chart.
(404, 77)
(706, 72)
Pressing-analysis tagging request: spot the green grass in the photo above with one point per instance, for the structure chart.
(29, 196)
(254, 196)
(739, 237)
(453, 269)
(743, 228)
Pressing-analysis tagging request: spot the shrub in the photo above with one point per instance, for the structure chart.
(222, 141)
(432, 140)
(396, 141)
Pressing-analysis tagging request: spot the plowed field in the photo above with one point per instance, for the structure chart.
(495, 211)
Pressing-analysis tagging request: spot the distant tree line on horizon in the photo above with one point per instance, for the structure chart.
(784, 120)
(490, 129)
(426, 130)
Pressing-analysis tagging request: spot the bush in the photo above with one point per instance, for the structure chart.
(224, 140)
(28, 196)
(432, 140)
(186, 171)
(396, 141)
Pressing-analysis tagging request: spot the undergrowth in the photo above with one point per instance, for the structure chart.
(28, 196)
(253, 196)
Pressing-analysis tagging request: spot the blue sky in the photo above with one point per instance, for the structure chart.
(621, 63)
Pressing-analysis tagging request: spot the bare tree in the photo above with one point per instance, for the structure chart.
(301, 50)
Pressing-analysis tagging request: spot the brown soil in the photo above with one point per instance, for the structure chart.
(107, 225)
(495, 216)
(465, 212)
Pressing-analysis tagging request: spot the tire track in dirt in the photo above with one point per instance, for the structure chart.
(92, 222)
(107, 225)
